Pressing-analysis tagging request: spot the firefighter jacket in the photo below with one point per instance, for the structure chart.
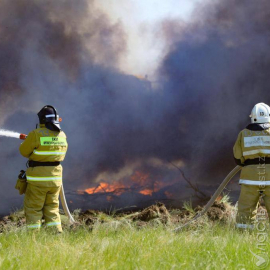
(44, 145)
(252, 150)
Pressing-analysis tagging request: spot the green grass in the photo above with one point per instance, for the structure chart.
(120, 245)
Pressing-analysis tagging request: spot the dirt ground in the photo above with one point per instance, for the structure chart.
(158, 212)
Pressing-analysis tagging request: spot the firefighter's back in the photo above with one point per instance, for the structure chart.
(50, 147)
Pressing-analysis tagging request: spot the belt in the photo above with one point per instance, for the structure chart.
(257, 161)
(32, 163)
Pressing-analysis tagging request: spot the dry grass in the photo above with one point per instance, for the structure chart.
(133, 241)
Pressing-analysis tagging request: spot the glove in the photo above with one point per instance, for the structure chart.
(21, 184)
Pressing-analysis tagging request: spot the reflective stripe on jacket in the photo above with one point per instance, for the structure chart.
(252, 144)
(44, 145)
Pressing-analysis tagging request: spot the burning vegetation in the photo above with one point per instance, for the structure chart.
(138, 190)
(139, 182)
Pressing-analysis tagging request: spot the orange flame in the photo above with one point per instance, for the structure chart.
(139, 180)
(106, 187)
(146, 192)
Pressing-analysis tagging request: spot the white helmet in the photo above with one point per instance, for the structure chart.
(260, 113)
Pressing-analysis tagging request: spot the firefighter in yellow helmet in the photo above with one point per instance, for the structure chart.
(45, 148)
(252, 151)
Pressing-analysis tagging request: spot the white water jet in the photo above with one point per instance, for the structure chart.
(9, 133)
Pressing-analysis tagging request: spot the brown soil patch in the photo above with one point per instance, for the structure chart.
(158, 210)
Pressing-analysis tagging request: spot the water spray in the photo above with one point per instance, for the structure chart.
(12, 134)
(21, 136)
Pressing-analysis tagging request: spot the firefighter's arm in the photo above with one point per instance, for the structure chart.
(237, 151)
(28, 145)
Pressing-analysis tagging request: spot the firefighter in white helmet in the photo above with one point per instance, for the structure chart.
(252, 151)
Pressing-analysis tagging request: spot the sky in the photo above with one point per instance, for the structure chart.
(141, 21)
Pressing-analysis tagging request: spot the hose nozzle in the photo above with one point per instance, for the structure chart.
(23, 136)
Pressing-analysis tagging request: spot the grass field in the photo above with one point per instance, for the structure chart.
(119, 245)
(142, 240)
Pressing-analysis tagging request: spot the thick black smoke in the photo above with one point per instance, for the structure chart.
(60, 53)
(217, 69)
(64, 53)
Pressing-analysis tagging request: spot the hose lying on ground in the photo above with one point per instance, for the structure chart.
(214, 197)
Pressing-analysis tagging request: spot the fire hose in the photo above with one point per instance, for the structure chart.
(224, 183)
(65, 206)
(62, 194)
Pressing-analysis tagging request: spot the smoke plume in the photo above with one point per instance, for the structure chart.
(215, 72)
(65, 54)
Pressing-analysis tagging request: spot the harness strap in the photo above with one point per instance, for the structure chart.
(32, 163)
(257, 161)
